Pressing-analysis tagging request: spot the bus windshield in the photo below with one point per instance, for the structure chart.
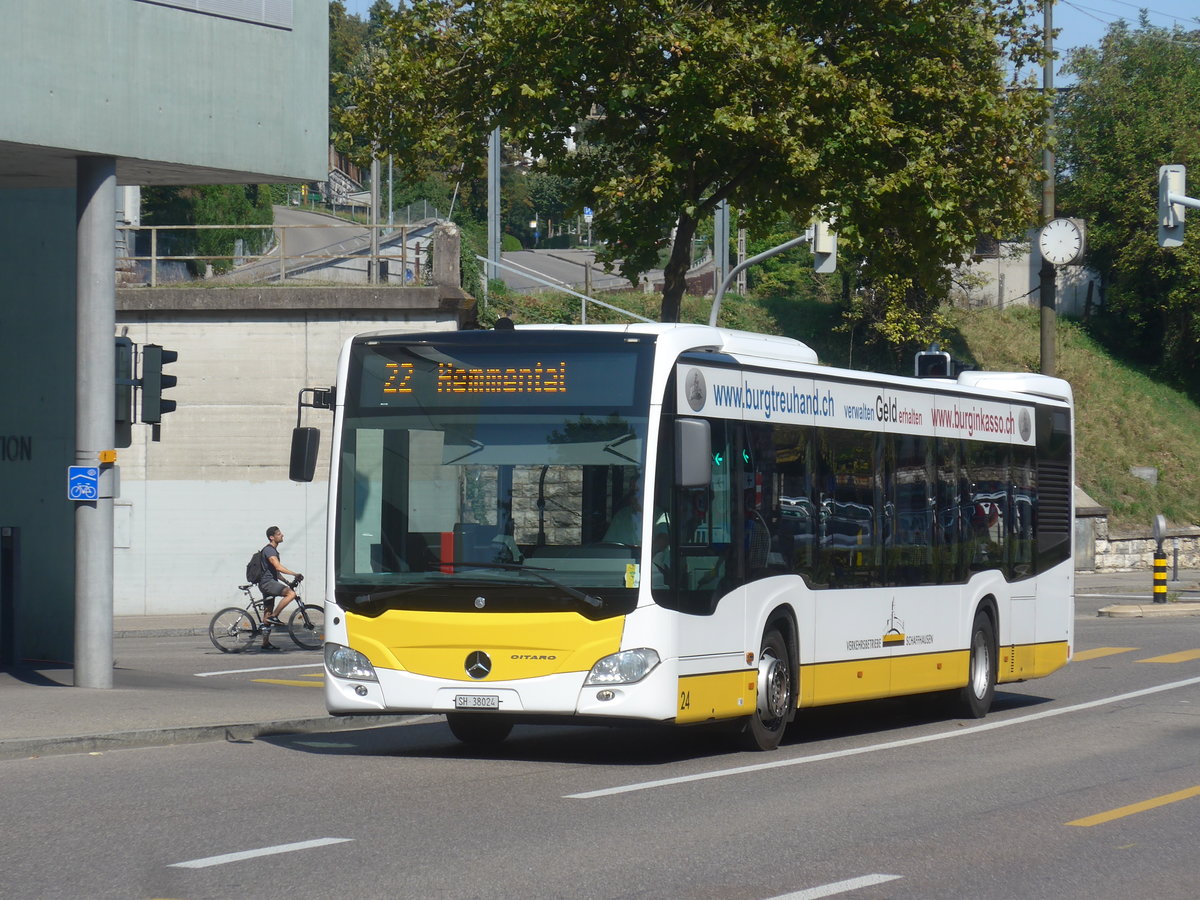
(488, 459)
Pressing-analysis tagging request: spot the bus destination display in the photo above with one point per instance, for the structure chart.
(452, 379)
(431, 377)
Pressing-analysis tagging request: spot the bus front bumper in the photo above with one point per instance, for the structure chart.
(652, 698)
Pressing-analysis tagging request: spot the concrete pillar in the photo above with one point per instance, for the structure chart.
(446, 248)
(95, 410)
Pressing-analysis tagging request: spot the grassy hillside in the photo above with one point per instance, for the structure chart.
(1123, 418)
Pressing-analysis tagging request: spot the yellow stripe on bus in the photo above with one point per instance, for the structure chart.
(520, 645)
(871, 679)
(1031, 660)
(722, 695)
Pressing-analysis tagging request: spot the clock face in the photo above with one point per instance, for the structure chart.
(1061, 241)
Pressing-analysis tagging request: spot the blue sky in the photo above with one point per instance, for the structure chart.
(1081, 23)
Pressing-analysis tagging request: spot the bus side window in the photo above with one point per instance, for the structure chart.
(1024, 506)
(910, 511)
(849, 493)
(797, 515)
(953, 513)
(987, 467)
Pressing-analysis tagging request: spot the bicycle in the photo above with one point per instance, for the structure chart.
(234, 628)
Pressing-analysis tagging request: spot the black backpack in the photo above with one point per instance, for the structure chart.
(255, 569)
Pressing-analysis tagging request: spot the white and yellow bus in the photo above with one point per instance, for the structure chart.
(684, 524)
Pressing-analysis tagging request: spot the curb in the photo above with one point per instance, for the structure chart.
(1149, 610)
(24, 748)
(161, 632)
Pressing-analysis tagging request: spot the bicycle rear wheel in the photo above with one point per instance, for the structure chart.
(307, 626)
(232, 630)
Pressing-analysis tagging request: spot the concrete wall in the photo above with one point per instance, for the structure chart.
(142, 81)
(194, 505)
(174, 97)
(1129, 551)
(1012, 279)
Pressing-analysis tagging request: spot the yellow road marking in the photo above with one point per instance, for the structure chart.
(1132, 808)
(1181, 656)
(1098, 652)
(291, 683)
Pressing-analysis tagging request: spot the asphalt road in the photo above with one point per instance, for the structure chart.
(563, 268)
(1083, 784)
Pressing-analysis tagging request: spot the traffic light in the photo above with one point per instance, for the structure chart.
(934, 363)
(824, 248)
(1171, 180)
(123, 420)
(154, 382)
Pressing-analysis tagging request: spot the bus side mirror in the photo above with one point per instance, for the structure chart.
(305, 443)
(693, 468)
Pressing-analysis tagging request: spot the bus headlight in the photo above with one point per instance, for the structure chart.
(347, 663)
(625, 667)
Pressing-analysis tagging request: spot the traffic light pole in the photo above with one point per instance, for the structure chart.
(1172, 202)
(95, 409)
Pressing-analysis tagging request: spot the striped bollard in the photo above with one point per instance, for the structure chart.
(1160, 576)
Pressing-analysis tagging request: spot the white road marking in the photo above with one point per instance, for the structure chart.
(888, 745)
(259, 669)
(253, 854)
(838, 887)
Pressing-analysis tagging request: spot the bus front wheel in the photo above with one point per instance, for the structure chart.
(775, 699)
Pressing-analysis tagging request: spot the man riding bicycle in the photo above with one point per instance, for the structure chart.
(271, 585)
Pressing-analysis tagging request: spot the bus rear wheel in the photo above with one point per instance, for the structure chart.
(480, 729)
(775, 698)
(975, 699)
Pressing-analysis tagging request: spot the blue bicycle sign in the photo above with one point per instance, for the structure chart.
(83, 482)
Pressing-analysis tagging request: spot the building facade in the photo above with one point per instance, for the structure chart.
(147, 92)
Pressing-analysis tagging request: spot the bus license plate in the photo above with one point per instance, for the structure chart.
(476, 701)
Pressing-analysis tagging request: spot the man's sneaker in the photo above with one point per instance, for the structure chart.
(268, 647)
(273, 620)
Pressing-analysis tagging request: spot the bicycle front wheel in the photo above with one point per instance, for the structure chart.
(307, 626)
(232, 630)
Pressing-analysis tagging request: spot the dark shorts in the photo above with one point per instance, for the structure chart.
(273, 588)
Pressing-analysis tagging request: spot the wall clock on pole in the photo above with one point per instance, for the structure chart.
(1062, 241)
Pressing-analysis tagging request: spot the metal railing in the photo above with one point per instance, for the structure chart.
(295, 252)
(584, 299)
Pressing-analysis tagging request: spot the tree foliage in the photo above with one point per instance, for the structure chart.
(890, 115)
(347, 34)
(1136, 106)
(210, 204)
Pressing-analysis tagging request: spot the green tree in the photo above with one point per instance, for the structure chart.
(892, 115)
(347, 34)
(1136, 106)
(209, 204)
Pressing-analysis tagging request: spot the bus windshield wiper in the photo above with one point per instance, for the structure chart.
(369, 597)
(536, 573)
(611, 447)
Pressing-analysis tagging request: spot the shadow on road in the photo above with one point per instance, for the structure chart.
(648, 745)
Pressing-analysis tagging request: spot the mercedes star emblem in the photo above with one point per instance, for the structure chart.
(479, 664)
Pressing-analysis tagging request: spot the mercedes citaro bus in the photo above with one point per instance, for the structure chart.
(683, 524)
